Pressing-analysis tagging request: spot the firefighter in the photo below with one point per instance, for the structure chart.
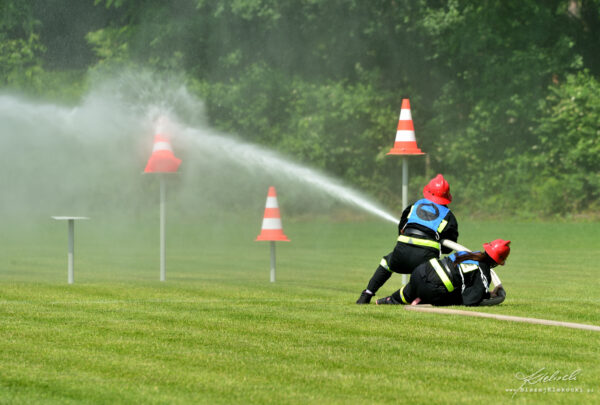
(463, 278)
(422, 226)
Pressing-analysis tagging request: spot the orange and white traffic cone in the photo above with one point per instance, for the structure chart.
(162, 159)
(271, 225)
(406, 143)
(272, 230)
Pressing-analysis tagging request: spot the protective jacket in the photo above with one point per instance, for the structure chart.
(442, 282)
(426, 223)
(421, 228)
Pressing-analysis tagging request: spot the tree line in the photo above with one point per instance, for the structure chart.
(505, 95)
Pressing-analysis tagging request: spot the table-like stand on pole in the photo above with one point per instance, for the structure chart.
(71, 242)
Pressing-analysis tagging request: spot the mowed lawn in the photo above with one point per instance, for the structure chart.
(218, 332)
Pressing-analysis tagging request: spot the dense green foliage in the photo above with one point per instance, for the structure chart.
(504, 94)
(217, 332)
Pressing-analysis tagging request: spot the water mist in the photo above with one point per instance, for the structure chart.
(87, 159)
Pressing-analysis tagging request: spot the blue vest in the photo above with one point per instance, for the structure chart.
(465, 264)
(453, 257)
(428, 214)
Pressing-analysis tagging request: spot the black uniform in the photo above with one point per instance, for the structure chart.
(441, 282)
(406, 256)
(417, 243)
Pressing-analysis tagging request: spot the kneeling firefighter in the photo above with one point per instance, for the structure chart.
(422, 226)
(463, 278)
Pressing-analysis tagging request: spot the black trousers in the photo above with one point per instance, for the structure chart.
(426, 284)
(403, 259)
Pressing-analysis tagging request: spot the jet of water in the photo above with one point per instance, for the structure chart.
(89, 157)
(253, 156)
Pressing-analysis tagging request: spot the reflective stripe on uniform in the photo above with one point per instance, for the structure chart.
(384, 264)
(442, 226)
(442, 274)
(468, 267)
(419, 242)
(402, 295)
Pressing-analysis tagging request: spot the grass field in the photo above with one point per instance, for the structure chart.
(218, 332)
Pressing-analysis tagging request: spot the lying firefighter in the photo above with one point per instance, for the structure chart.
(463, 278)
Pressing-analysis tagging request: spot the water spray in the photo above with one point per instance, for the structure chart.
(253, 156)
(59, 148)
(86, 158)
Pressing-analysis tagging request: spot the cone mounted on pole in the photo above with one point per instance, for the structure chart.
(162, 159)
(271, 225)
(406, 143)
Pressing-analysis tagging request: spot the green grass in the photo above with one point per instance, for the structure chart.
(218, 332)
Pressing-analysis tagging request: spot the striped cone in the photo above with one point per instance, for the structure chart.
(271, 225)
(162, 159)
(406, 143)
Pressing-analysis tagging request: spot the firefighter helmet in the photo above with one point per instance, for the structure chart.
(498, 250)
(438, 190)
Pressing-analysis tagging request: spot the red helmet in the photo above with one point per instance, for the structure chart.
(438, 190)
(498, 250)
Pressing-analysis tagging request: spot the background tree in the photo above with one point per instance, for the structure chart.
(20, 47)
(322, 80)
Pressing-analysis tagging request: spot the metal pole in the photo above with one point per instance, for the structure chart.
(71, 226)
(404, 183)
(163, 192)
(404, 198)
(272, 262)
